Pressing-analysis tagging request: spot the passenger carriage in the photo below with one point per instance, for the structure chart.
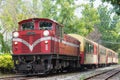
(102, 56)
(88, 51)
(109, 57)
(115, 58)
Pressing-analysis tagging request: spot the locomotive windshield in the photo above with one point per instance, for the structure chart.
(28, 26)
(45, 25)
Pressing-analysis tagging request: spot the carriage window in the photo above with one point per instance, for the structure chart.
(89, 48)
(28, 26)
(45, 25)
(116, 56)
(110, 54)
(103, 51)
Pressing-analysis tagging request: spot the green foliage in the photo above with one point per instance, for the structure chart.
(65, 14)
(107, 28)
(118, 27)
(112, 1)
(61, 11)
(48, 10)
(116, 4)
(6, 62)
(89, 20)
(4, 46)
(14, 11)
(0, 27)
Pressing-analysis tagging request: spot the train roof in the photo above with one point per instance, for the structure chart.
(38, 19)
(78, 37)
(81, 38)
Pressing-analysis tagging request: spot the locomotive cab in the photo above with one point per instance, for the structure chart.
(36, 36)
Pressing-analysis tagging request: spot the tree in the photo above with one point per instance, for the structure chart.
(9, 17)
(116, 4)
(118, 31)
(118, 27)
(17, 10)
(65, 14)
(89, 20)
(14, 11)
(3, 46)
(107, 28)
(62, 12)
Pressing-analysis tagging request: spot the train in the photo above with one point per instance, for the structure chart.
(40, 46)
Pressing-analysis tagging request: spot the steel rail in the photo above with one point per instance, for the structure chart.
(10, 77)
(113, 72)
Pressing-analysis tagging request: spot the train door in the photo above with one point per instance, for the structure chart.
(58, 39)
(56, 45)
(89, 49)
(95, 56)
(98, 54)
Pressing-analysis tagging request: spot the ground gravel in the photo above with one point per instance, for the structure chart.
(75, 76)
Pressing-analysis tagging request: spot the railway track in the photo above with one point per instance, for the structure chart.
(52, 76)
(79, 75)
(106, 75)
(16, 77)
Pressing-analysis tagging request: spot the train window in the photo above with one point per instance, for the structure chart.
(86, 48)
(89, 48)
(113, 54)
(102, 51)
(28, 26)
(59, 31)
(110, 54)
(45, 25)
(116, 56)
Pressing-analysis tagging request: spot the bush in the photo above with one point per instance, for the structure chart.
(6, 62)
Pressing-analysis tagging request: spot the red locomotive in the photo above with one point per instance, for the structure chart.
(40, 46)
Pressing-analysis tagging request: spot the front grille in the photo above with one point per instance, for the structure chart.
(30, 39)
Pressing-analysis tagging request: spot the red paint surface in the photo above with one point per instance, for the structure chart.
(82, 57)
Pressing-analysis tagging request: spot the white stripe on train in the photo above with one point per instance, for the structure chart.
(42, 39)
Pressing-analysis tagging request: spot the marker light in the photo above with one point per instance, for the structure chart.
(15, 34)
(46, 42)
(15, 43)
(46, 33)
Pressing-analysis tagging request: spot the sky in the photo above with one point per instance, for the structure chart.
(78, 2)
(96, 3)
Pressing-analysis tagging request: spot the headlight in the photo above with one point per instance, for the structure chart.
(15, 34)
(15, 43)
(46, 33)
(46, 42)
